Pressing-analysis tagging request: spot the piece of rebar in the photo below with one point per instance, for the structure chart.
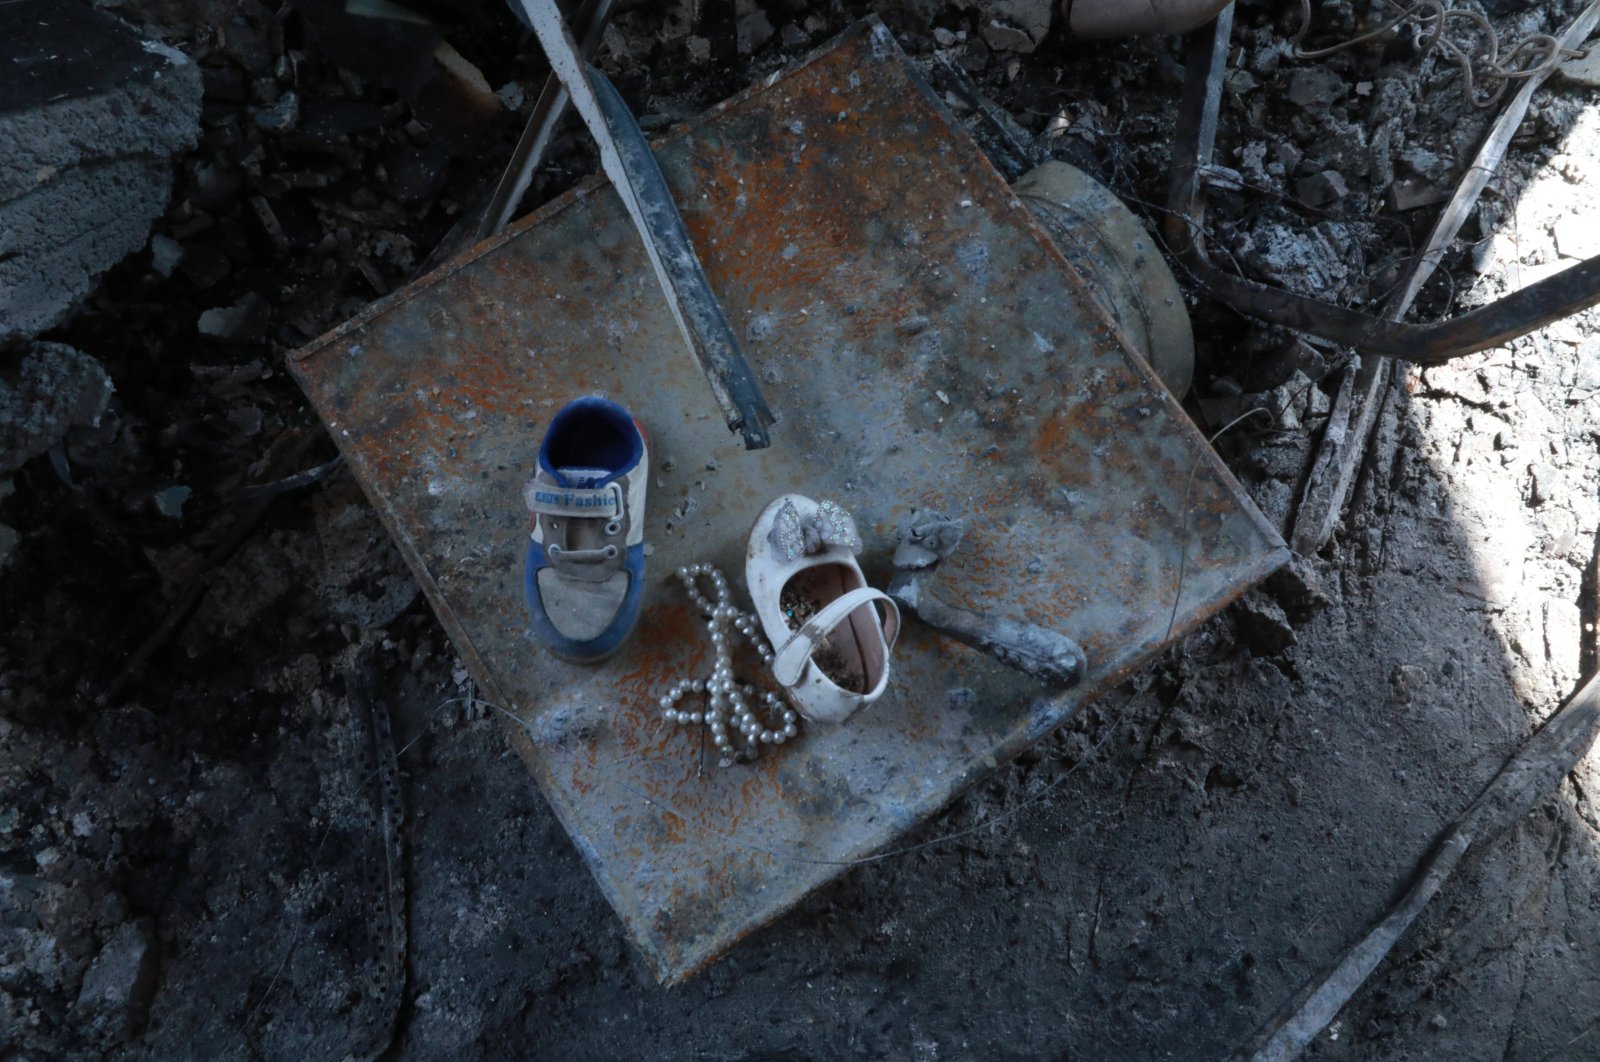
(1333, 473)
(1199, 108)
(1530, 774)
(548, 111)
(492, 208)
(286, 452)
(626, 158)
(927, 539)
(389, 925)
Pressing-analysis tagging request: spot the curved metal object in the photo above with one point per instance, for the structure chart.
(1503, 320)
(1106, 243)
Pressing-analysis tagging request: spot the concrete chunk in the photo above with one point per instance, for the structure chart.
(115, 996)
(90, 117)
(1015, 25)
(50, 389)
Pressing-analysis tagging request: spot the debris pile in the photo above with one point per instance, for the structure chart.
(180, 864)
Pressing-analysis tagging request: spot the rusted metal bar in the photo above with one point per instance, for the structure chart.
(1341, 456)
(627, 160)
(997, 133)
(551, 107)
(1198, 110)
(1503, 320)
(699, 313)
(1531, 774)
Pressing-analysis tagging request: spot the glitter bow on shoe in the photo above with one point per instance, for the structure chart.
(795, 536)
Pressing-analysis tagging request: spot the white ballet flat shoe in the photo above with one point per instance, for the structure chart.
(831, 645)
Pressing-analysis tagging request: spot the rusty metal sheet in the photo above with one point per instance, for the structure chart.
(922, 345)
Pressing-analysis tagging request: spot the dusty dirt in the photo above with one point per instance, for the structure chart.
(184, 870)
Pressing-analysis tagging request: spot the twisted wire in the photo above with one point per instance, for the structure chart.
(1540, 52)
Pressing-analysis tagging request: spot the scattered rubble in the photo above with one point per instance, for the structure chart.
(182, 867)
(1014, 25)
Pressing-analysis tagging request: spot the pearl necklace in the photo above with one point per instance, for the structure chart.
(727, 700)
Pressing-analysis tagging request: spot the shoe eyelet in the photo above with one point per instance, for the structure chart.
(611, 553)
(613, 528)
(555, 524)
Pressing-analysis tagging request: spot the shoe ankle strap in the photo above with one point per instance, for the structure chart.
(789, 663)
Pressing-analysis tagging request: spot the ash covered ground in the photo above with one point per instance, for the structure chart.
(185, 864)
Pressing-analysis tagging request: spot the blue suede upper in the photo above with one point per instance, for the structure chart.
(607, 641)
(590, 434)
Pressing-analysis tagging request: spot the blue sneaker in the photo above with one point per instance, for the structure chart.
(584, 579)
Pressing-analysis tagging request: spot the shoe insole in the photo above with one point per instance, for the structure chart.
(852, 653)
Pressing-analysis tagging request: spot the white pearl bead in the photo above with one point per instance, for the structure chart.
(726, 713)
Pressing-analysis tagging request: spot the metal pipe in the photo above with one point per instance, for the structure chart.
(1432, 343)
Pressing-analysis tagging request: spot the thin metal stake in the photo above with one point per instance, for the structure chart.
(626, 157)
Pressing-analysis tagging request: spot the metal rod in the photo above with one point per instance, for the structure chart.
(1505, 319)
(1198, 110)
(625, 156)
(699, 313)
(551, 107)
(1377, 339)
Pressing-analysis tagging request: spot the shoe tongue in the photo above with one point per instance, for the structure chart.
(583, 478)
